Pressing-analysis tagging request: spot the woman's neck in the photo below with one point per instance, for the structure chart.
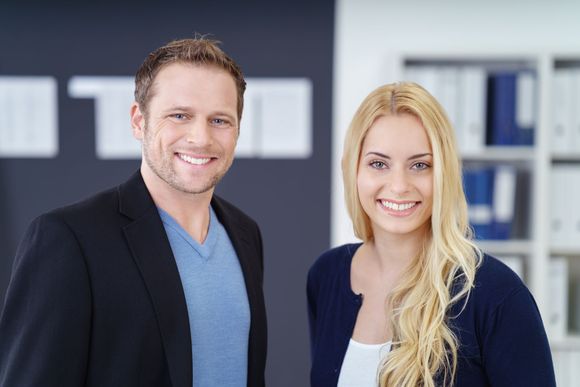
(396, 252)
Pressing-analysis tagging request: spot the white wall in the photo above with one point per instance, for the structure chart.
(369, 33)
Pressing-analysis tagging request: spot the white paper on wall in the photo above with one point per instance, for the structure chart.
(277, 119)
(113, 97)
(28, 117)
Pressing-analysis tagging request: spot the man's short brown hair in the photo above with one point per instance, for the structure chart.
(197, 51)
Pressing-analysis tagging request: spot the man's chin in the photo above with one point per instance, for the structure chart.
(194, 188)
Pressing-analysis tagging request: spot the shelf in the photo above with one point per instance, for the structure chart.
(507, 60)
(510, 246)
(573, 157)
(567, 252)
(568, 343)
(502, 153)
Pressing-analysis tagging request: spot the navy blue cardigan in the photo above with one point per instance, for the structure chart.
(502, 341)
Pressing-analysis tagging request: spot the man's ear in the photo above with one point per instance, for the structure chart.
(137, 121)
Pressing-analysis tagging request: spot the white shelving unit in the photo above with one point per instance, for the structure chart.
(538, 159)
(571, 342)
(498, 153)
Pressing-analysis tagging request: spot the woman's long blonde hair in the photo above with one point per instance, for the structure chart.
(424, 346)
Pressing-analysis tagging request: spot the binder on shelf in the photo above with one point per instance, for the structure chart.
(472, 104)
(504, 199)
(563, 368)
(573, 369)
(574, 199)
(522, 219)
(442, 83)
(575, 107)
(558, 296)
(574, 316)
(525, 107)
(478, 185)
(501, 108)
(446, 92)
(426, 76)
(511, 110)
(559, 218)
(562, 110)
(557, 359)
(565, 207)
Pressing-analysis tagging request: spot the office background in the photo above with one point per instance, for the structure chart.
(345, 48)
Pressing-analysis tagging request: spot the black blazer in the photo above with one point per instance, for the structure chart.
(95, 298)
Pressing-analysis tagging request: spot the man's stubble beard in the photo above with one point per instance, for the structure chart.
(166, 172)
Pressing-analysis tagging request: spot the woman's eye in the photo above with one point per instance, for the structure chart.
(420, 166)
(377, 164)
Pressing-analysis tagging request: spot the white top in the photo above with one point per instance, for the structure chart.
(361, 363)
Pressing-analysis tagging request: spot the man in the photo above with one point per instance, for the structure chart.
(156, 282)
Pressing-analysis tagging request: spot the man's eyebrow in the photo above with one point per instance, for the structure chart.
(176, 108)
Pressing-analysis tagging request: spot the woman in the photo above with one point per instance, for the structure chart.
(417, 303)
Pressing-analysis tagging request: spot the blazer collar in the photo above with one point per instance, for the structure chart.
(134, 197)
(248, 246)
(153, 256)
(239, 236)
(234, 226)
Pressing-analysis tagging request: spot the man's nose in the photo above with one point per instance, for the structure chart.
(199, 133)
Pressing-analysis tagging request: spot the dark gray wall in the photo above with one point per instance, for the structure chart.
(289, 198)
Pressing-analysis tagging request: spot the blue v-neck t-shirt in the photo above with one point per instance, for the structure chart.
(217, 303)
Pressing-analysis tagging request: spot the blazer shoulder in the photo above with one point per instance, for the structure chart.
(90, 206)
(224, 208)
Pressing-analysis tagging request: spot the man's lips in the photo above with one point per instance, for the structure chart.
(195, 160)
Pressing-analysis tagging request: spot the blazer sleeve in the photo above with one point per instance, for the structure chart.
(311, 296)
(260, 245)
(45, 323)
(515, 346)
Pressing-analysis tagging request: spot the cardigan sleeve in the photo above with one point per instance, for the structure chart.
(45, 323)
(515, 347)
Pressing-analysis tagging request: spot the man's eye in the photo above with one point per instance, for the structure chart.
(219, 122)
(179, 116)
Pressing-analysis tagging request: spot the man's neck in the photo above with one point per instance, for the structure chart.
(190, 211)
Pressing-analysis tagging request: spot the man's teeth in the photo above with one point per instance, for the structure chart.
(398, 207)
(193, 160)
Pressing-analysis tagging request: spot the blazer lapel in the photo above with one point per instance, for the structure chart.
(248, 245)
(152, 253)
(246, 252)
